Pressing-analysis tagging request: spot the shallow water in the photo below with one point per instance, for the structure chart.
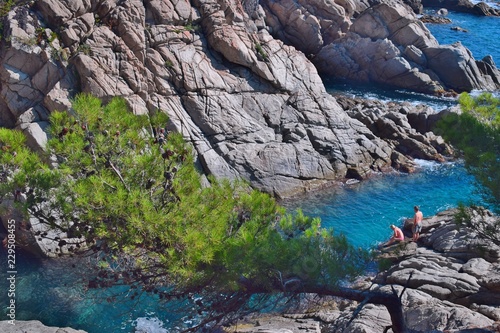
(364, 211)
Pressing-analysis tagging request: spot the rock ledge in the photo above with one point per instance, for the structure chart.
(454, 287)
(33, 326)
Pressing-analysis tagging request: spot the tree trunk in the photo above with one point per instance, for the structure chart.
(392, 302)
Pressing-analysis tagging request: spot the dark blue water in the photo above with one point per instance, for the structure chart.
(482, 38)
(362, 211)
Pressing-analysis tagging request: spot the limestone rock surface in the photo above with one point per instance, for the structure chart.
(33, 326)
(370, 44)
(252, 106)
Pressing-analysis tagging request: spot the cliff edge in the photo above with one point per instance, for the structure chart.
(252, 106)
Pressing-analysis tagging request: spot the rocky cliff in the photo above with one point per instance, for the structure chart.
(235, 79)
(384, 43)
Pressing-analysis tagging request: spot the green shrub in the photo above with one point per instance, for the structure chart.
(260, 51)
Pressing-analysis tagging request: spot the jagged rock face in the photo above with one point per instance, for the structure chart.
(466, 6)
(455, 264)
(406, 128)
(253, 107)
(415, 5)
(385, 43)
(308, 25)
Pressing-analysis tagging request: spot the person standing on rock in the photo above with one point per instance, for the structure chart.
(417, 223)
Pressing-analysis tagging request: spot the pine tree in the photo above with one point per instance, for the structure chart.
(476, 133)
(130, 190)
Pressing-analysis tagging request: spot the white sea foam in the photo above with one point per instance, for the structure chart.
(424, 164)
(492, 4)
(149, 325)
(397, 95)
(476, 93)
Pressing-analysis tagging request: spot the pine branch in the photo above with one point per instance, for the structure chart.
(108, 161)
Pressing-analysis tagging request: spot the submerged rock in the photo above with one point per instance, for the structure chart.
(435, 19)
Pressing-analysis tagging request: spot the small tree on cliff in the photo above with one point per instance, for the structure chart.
(476, 132)
(131, 191)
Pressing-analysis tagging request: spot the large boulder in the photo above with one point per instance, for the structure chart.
(309, 25)
(456, 67)
(384, 43)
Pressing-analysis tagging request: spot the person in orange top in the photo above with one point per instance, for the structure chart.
(417, 223)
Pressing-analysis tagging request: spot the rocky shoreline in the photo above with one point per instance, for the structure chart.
(401, 131)
(241, 81)
(451, 280)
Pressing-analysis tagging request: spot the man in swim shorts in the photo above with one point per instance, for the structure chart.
(417, 223)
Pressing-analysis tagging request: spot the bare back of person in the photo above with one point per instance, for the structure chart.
(417, 223)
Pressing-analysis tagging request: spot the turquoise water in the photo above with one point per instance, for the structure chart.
(363, 211)
(55, 293)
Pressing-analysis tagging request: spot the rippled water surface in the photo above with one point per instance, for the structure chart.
(364, 211)
(482, 36)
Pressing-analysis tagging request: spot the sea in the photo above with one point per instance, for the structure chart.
(362, 211)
